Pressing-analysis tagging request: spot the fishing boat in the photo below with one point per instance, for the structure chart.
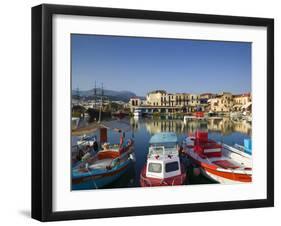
(199, 114)
(106, 166)
(187, 118)
(119, 114)
(236, 115)
(86, 140)
(137, 113)
(246, 148)
(163, 166)
(216, 161)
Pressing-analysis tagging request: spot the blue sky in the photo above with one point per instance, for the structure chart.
(143, 64)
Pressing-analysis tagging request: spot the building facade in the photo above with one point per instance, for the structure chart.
(242, 102)
(174, 101)
(226, 102)
(221, 103)
(135, 101)
(186, 102)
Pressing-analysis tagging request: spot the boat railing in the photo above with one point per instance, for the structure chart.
(236, 151)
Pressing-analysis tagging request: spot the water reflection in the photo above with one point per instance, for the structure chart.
(128, 179)
(220, 129)
(224, 126)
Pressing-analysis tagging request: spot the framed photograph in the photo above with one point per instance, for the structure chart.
(145, 112)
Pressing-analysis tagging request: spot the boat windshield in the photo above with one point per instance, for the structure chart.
(165, 145)
(162, 151)
(171, 166)
(155, 167)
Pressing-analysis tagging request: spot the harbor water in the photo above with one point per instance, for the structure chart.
(222, 130)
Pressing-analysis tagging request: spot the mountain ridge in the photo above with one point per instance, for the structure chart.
(123, 95)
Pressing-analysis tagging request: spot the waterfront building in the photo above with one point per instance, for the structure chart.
(162, 98)
(169, 102)
(223, 102)
(156, 98)
(194, 103)
(242, 102)
(204, 98)
(162, 101)
(135, 101)
(226, 102)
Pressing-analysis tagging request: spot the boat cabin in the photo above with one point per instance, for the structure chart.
(160, 167)
(163, 157)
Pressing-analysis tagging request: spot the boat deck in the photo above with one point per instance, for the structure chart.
(101, 164)
(226, 164)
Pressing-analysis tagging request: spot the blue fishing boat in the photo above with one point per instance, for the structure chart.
(105, 167)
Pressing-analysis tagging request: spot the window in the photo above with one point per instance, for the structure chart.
(171, 166)
(155, 167)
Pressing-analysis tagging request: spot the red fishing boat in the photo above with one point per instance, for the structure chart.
(224, 165)
(119, 114)
(199, 114)
(163, 167)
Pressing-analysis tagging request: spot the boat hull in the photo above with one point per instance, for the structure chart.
(100, 180)
(170, 181)
(225, 177)
(221, 175)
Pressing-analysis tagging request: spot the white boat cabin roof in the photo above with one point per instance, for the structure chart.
(164, 138)
(161, 153)
(163, 145)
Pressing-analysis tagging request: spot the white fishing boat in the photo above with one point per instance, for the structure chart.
(86, 140)
(186, 118)
(236, 115)
(163, 166)
(219, 162)
(137, 113)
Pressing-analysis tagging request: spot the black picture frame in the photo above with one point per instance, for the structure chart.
(42, 111)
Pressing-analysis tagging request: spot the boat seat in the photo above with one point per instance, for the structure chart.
(101, 164)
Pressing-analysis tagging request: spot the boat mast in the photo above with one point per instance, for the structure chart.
(78, 96)
(95, 95)
(101, 103)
